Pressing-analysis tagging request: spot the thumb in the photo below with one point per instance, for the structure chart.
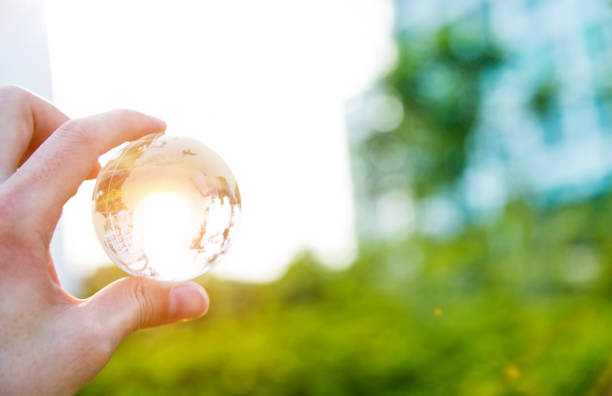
(134, 303)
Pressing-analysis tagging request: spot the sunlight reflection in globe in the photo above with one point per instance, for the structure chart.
(166, 208)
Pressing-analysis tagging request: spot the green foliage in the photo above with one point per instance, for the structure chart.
(544, 99)
(438, 79)
(544, 104)
(501, 309)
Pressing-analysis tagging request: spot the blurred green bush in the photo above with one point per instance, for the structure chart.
(501, 309)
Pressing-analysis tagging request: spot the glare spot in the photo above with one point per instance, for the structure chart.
(161, 221)
(385, 112)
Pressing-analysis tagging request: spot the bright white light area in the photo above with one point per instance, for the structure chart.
(163, 221)
(263, 83)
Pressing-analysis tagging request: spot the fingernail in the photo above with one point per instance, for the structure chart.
(187, 301)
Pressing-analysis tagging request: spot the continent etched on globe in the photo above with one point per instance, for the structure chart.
(166, 208)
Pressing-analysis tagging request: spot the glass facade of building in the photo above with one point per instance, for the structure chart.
(543, 123)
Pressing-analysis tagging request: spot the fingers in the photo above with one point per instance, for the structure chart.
(94, 171)
(26, 120)
(54, 172)
(134, 303)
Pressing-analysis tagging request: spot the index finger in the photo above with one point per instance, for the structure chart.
(54, 172)
(26, 120)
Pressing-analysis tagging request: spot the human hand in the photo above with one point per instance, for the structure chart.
(52, 343)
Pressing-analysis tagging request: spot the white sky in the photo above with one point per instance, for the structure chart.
(263, 83)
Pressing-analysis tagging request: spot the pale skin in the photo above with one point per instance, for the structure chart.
(52, 343)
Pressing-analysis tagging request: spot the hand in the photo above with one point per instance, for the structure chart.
(52, 343)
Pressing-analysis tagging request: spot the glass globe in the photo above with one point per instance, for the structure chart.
(166, 208)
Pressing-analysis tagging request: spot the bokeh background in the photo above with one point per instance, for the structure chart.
(427, 188)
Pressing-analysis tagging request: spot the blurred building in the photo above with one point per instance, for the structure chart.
(23, 44)
(543, 126)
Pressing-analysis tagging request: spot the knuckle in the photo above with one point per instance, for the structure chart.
(14, 93)
(15, 102)
(143, 301)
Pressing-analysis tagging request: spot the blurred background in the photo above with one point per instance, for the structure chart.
(427, 187)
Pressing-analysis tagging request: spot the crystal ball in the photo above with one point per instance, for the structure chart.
(166, 208)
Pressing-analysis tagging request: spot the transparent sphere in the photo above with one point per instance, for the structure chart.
(166, 208)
